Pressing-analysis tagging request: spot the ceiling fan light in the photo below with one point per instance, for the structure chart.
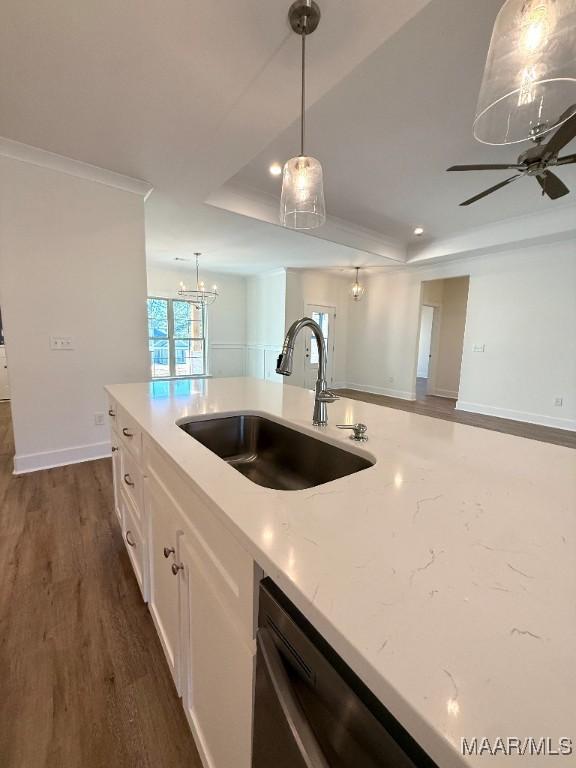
(302, 203)
(530, 74)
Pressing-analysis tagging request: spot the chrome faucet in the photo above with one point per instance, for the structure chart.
(285, 364)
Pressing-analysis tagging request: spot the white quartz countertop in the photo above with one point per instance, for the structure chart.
(445, 575)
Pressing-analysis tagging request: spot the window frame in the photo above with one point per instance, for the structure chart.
(171, 339)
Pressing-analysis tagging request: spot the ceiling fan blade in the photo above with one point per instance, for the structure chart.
(511, 166)
(552, 185)
(566, 114)
(567, 159)
(563, 135)
(492, 189)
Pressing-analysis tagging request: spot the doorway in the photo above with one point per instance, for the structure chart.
(425, 341)
(325, 316)
(441, 337)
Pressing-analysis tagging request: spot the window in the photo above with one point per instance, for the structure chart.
(176, 338)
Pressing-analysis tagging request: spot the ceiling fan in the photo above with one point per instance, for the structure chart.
(536, 161)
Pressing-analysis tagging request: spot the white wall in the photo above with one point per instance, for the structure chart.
(383, 335)
(310, 286)
(226, 325)
(72, 263)
(265, 313)
(521, 306)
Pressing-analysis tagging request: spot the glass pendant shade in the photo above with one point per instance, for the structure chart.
(358, 289)
(302, 203)
(529, 85)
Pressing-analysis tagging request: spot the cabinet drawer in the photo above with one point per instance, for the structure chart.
(131, 481)
(134, 541)
(129, 431)
(116, 473)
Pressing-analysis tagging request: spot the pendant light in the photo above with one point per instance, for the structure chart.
(199, 296)
(302, 203)
(357, 289)
(530, 75)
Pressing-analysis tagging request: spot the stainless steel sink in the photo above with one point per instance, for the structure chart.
(272, 454)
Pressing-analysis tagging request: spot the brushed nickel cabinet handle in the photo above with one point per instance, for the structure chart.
(169, 551)
(176, 568)
(128, 480)
(127, 537)
(126, 432)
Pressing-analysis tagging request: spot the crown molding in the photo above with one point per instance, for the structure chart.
(26, 153)
(255, 204)
(552, 225)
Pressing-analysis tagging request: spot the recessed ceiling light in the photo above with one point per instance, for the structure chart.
(275, 169)
(419, 231)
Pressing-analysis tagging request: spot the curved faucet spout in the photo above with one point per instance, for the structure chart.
(285, 365)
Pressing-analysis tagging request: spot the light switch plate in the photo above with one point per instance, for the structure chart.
(61, 343)
(479, 348)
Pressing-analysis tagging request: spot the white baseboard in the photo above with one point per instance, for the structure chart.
(443, 393)
(33, 462)
(374, 390)
(504, 413)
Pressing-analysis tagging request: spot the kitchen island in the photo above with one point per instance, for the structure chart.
(444, 575)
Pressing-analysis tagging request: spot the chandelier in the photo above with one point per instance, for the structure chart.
(357, 290)
(200, 296)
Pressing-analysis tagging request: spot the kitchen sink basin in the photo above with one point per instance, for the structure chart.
(274, 455)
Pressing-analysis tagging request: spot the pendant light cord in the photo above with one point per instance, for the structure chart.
(303, 104)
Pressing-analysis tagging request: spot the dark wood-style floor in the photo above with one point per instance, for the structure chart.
(83, 679)
(445, 408)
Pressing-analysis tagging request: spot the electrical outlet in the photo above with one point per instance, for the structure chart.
(390, 379)
(99, 419)
(61, 343)
(479, 348)
(559, 402)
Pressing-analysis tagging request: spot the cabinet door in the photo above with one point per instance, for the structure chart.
(218, 669)
(164, 533)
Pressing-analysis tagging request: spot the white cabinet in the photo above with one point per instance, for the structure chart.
(219, 668)
(116, 473)
(164, 532)
(200, 585)
(4, 383)
(135, 541)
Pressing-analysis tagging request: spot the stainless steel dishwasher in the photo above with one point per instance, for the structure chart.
(311, 710)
